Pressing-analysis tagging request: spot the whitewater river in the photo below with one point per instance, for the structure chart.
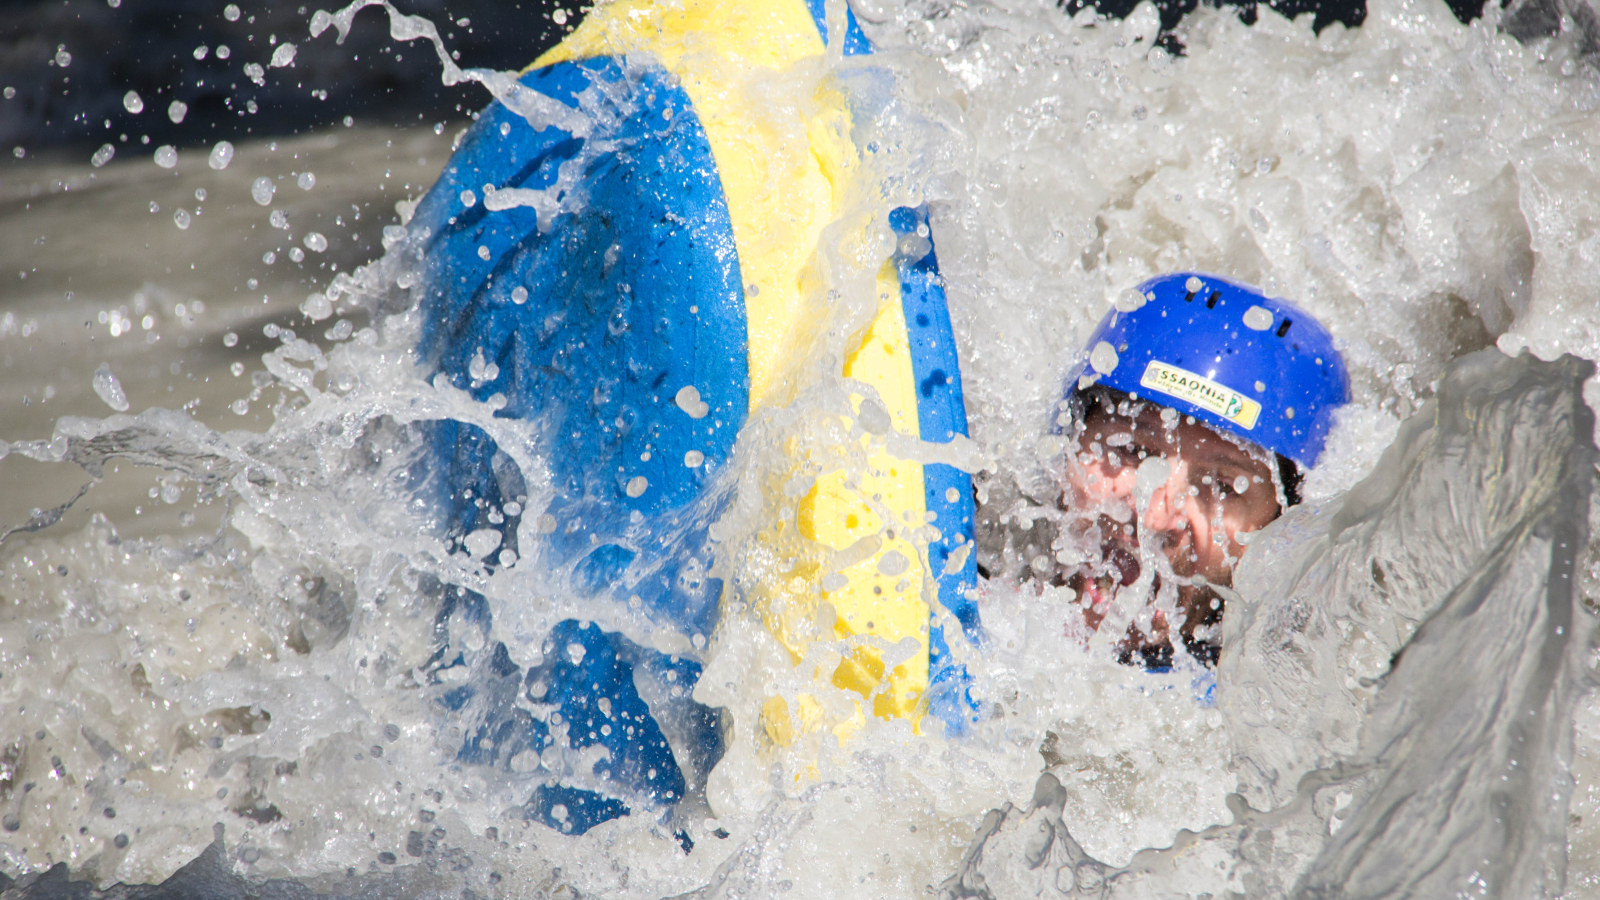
(224, 642)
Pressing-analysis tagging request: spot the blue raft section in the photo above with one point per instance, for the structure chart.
(587, 330)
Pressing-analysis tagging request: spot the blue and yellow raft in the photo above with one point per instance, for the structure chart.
(668, 297)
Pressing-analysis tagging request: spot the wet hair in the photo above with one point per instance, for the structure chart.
(1078, 402)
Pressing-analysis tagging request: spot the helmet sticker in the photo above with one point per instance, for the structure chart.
(1202, 392)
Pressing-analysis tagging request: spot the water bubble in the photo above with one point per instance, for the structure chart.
(637, 485)
(231, 12)
(240, 406)
(12, 92)
(559, 17)
(171, 494)
(693, 459)
(1194, 285)
(176, 110)
(1241, 484)
(18, 152)
(223, 52)
(102, 156)
(63, 58)
(201, 51)
(483, 253)
(221, 155)
(155, 207)
(893, 563)
(109, 388)
(519, 295)
(1103, 358)
(283, 56)
(261, 190)
(166, 156)
(269, 258)
(181, 217)
(315, 241)
(255, 73)
(200, 194)
(306, 181)
(468, 199)
(279, 219)
(296, 254)
(132, 102)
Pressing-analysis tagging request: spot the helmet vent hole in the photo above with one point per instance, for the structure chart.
(1211, 301)
(1284, 328)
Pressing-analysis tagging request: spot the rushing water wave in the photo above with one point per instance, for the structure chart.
(245, 702)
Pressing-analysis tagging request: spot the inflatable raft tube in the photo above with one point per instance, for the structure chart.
(628, 271)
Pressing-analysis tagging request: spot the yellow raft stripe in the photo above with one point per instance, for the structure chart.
(883, 595)
(777, 147)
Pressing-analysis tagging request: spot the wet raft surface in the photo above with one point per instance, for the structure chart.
(1441, 770)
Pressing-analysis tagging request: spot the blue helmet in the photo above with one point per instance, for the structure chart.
(1260, 368)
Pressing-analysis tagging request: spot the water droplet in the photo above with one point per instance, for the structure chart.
(468, 199)
(296, 254)
(1257, 318)
(231, 12)
(317, 307)
(109, 388)
(694, 459)
(688, 400)
(519, 295)
(315, 241)
(221, 155)
(253, 71)
(1194, 285)
(1129, 300)
(483, 253)
(482, 542)
(279, 219)
(223, 52)
(283, 56)
(181, 217)
(201, 51)
(269, 258)
(237, 369)
(102, 156)
(63, 58)
(1103, 358)
(261, 190)
(637, 485)
(200, 194)
(306, 181)
(132, 102)
(166, 156)
(176, 110)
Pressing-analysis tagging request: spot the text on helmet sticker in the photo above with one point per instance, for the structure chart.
(1202, 392)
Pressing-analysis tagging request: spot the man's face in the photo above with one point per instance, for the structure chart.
(1157, 489)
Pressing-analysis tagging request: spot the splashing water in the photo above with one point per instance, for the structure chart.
(269, 668)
